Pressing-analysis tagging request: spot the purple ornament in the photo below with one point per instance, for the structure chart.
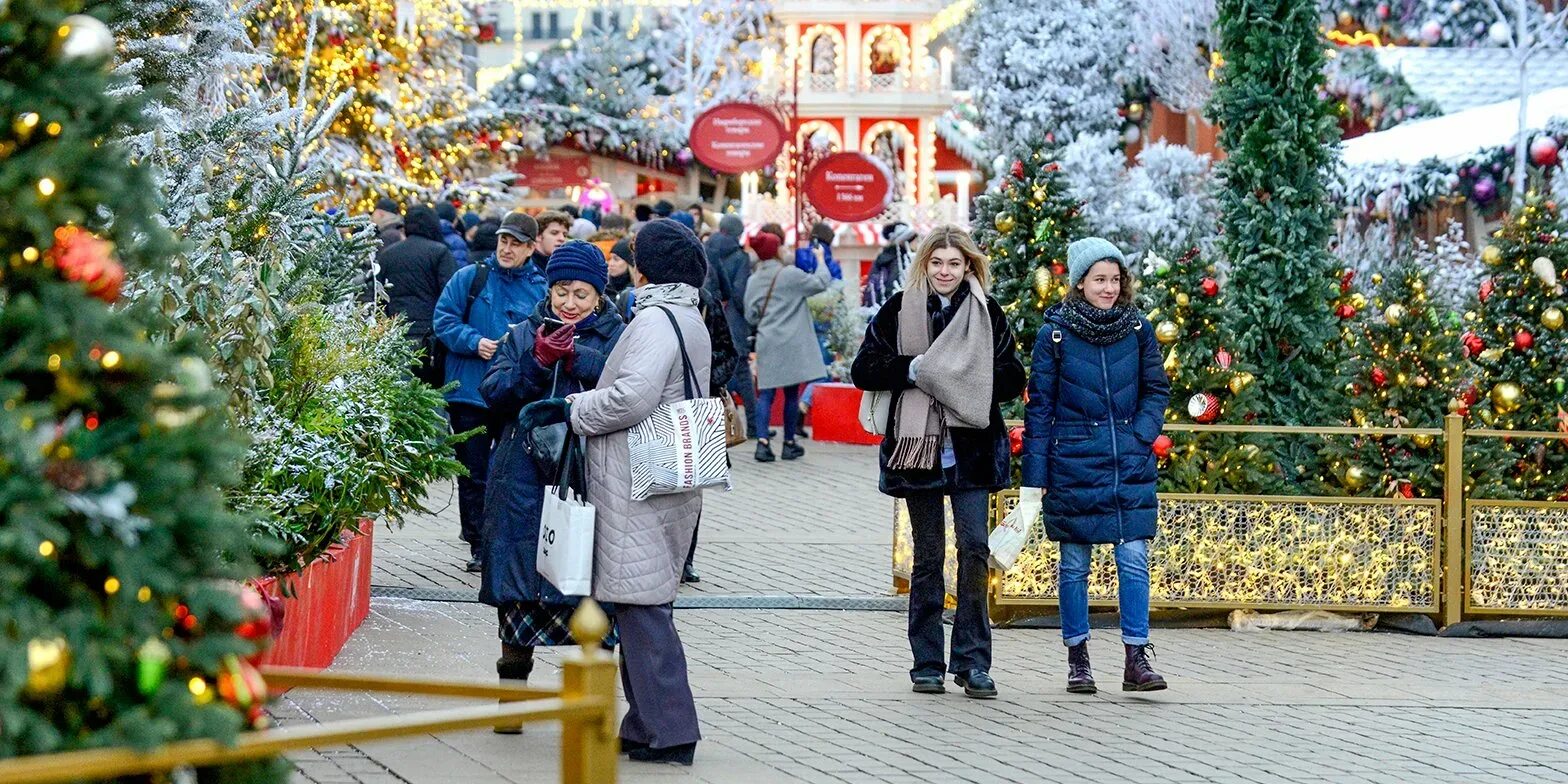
(1484, 191)
(683, 156)
(1497, 168)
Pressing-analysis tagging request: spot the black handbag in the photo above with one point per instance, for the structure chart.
(546, 444)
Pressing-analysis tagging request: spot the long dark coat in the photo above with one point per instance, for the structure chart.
(1089, 429)
(982, 453)
(514, 495)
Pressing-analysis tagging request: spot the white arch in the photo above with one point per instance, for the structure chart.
(808, 38)
(810, 128)
(900, 42)
(909, 163)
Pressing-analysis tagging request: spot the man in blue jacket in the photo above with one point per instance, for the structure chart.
(478, 306)
(451, 234)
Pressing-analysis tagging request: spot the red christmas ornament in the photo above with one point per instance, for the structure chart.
(1346, 311)
(1222, 358)
(1379, 377)
(1523, 340)
(1472, 344)
(1211, 287)
(1057, 268)
(84, 258)
(1543, 151)
(1162, 446)
(1203, 407)
(258, 616)
(1406, 489)
(1015, 440)
(1485, 292)
(1471, 395)
(1344, 281)
(1018, 170)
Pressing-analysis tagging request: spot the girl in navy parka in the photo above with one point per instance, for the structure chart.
(1097, 396)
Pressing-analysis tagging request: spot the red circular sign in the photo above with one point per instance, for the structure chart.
(737, 137)
(849, 187)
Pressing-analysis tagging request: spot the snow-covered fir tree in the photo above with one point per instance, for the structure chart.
(1055, 68)
(1165, 202)
(414, 129)
(1172, 45)
(707, 52)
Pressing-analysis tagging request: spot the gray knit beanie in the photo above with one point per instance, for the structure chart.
(1083, 254)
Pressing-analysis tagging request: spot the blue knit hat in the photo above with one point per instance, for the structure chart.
(1084, 253)
(578, 260)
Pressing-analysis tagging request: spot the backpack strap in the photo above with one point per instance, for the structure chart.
(475, 288)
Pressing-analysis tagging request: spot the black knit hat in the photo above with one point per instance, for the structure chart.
(623, 248)
(668, 252)
(387, 205)
(663, 208)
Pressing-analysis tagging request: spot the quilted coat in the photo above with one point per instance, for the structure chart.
(514, 495)
(1089, 429)
(639, 546)
(982, 453)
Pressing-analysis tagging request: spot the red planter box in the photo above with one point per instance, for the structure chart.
(331, 598)
(835, 415)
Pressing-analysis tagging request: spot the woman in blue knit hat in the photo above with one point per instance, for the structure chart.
(1097, 396)
(559, 350)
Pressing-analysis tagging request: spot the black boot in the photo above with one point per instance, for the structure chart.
(516, 664)
(683, 754)
(793, 451)
(764, 452)
(1080, 679)
(1140, 674)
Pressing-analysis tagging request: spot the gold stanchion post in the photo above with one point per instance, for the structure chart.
(1453, 518)
(590, 747)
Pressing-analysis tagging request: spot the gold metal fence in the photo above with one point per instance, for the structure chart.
(1447, 557)
(585, 705)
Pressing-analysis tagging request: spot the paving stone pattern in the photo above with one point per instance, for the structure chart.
(823, 696)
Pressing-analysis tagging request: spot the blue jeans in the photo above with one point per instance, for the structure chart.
(1132, 591)
(791, 411)
(742, 384)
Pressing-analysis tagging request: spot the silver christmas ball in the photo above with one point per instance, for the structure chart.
(1500, 33)
(84, 38)
(528, 81)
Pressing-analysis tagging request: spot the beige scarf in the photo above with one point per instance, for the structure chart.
(953, 386)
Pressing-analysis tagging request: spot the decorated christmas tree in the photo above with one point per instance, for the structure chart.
(1402, 369)
(1024, 225)
(1515, 336)
(414, 129)
(1275, 215)
(125, 619)
(1186, 303)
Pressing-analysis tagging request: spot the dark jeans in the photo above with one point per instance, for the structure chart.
(971, 645)
(474, 454)
(791, 410)
(741, 383)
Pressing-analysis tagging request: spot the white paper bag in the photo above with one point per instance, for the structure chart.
(565, 555)
(1008, 538)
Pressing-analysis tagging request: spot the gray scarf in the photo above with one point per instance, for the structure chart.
(953, 386)
(655, 294)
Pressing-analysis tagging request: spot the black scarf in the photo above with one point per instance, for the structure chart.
(1096, 326)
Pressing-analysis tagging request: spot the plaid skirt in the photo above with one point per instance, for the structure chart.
(534, 624)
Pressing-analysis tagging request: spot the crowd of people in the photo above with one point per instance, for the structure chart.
(534, 322)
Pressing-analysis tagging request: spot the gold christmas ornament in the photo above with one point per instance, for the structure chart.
(1358, 300)
(1172, 364)
(1552, 318)
(1182, 300)
(1422, 441)
(1005, 223)
(1506, 397)
(1167, 332)
(1355, 477)
(1377, 278)
(1395, 314)
(1042, 283)
(1239, 382)
(48, 664)
(1421, 382)
(1492, 255)
(1492, 354)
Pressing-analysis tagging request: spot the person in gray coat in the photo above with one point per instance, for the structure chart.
(788, 354)
(640, 546)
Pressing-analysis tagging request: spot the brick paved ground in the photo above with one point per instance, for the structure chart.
(821, 696)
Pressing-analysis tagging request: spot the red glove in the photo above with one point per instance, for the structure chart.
(549, 349)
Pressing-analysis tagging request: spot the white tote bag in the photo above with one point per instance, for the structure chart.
(1008, 538)
(874, 411)
(565, 554)
(681, 446)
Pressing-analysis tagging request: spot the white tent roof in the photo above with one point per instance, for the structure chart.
(1456, 136)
